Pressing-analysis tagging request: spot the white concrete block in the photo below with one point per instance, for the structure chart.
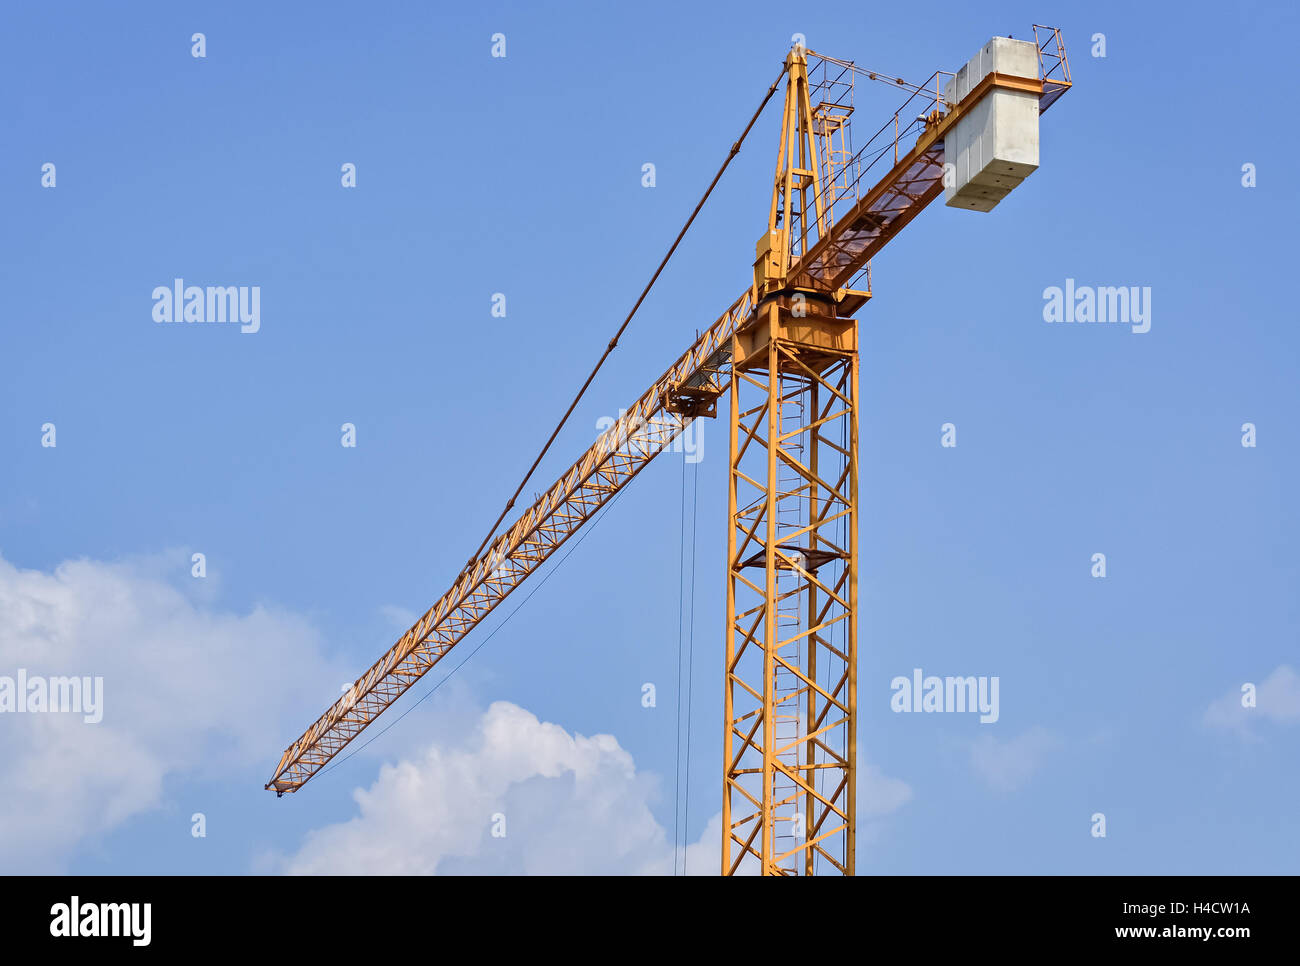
(995, 146)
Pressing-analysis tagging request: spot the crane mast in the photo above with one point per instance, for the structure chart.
(785, 353)
(790, 676)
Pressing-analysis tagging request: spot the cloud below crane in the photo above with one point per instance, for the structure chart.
(188, 691)
(190, 695)
(519, 795)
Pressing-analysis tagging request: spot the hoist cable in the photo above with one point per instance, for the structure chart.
(735, 149)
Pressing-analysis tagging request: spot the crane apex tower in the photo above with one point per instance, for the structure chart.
(994, 146)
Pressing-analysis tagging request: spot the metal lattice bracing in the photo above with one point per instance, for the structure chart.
(789, 783)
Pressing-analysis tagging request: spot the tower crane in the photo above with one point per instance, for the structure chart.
(785, 354)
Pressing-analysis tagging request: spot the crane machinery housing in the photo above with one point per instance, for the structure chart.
(785, 354)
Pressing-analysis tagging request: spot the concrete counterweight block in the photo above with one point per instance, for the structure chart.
(995, 146)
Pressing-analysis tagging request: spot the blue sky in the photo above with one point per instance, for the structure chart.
(522, 175)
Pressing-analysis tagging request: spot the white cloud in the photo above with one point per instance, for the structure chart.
(572, 805)
(191, 692)
(186, 691)
(400, 618)
(878, 794)
(1277, 699)
(1008, 765)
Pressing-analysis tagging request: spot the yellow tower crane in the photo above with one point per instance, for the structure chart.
(786, 354)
